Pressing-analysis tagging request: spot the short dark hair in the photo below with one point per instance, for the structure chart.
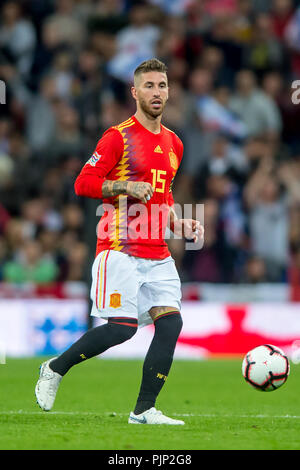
(151, 65)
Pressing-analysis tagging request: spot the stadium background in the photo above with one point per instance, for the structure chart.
(67, 66)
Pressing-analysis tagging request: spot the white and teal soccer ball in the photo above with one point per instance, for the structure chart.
(266, 368)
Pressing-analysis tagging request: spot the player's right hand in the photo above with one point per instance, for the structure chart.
(140, 190)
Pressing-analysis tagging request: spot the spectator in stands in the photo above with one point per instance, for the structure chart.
(49, 241)
(17, 37)
(197, 141)
(243, 24)
(215, 114)
(212, 59)
(177, 109)
(112, 111)
(254, 271)
(63, 28)
(288, 174)
(280, 90)
(68, 138)
(76, 262)
(135, 43)
(28, 265)
(52, 190)
(91, 93)
(222, 35)
(268, 219)
(39, 111)
(108, 8)
(39, 213)
(273, 85)
(281, 14)
(265, 51)
(224, 158)
(204, 265)
(62, 70)
(227, 240)
(15, 235)
(257, 110)
(200, 83)
(73, 218)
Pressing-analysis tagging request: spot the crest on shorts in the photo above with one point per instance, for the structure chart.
(173, 159)
(115, 300)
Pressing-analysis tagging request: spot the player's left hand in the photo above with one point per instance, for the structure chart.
(189, 228)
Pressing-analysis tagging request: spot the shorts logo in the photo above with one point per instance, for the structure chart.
(173, 160)
(93, 160)
(115, 300)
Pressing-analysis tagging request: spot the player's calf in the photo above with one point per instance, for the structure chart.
(95, 341)
(159, 359)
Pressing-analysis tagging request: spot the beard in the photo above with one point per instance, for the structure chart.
(152, 113)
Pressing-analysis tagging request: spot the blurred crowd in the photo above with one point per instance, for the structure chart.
(67, 66)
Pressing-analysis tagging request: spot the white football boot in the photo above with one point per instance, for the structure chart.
(152, 416)
(47, 386)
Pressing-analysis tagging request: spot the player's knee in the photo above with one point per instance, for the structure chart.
(177, 324)
(170, 325)
(121, 332)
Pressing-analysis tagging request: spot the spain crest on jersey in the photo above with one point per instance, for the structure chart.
(115, 300)
(173, 159)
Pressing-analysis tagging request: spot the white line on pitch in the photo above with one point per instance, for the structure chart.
(113, 413)
(71, 413)
(194, 415)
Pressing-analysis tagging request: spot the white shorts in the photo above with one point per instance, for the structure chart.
(128, 286)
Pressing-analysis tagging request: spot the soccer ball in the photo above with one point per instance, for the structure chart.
(266, 368)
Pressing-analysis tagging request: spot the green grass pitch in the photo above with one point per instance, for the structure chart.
(220, 409)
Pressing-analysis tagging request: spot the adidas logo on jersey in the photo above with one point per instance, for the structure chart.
(158, 149)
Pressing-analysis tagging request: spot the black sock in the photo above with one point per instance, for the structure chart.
(95, 341)
(159, 359)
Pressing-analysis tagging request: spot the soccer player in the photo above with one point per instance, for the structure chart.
(134, 278)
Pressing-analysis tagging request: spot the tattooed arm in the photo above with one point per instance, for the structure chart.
(137, 189)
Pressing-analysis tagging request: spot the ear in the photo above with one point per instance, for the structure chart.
(133, 92)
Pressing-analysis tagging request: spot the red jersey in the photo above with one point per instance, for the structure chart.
(129, 152)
